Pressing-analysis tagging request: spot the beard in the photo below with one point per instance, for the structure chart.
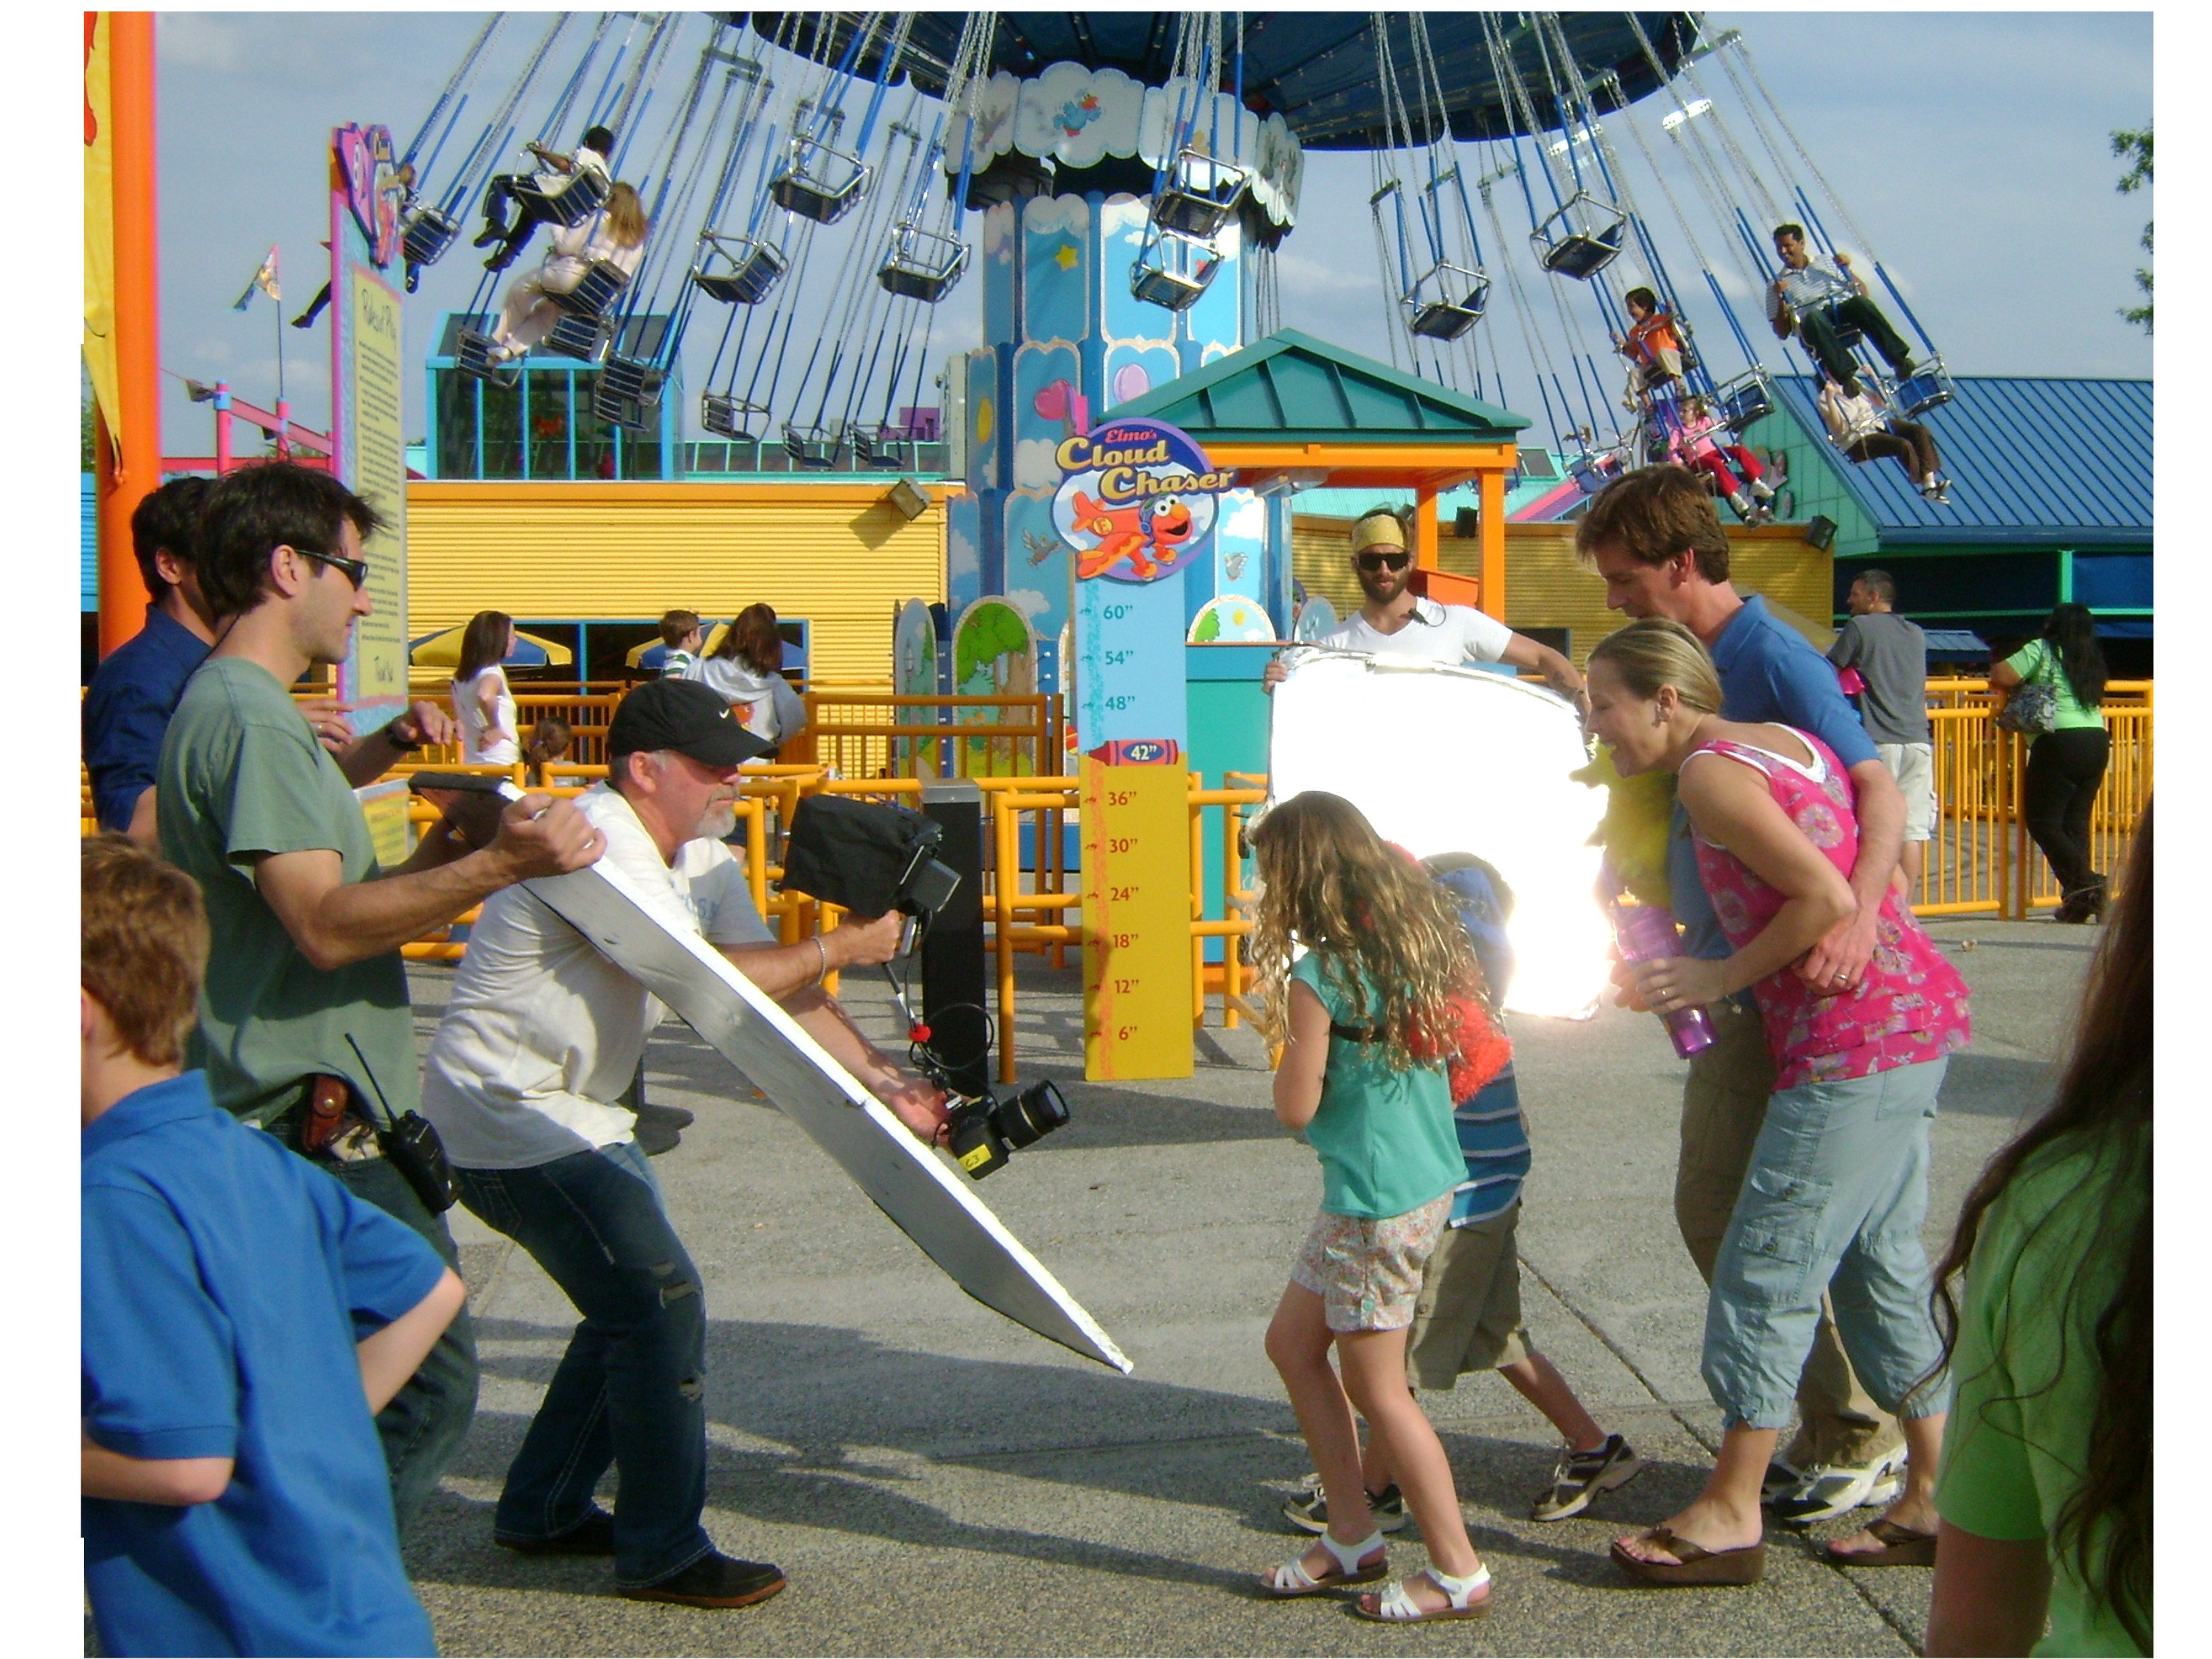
(718, 823)
(1384, 586)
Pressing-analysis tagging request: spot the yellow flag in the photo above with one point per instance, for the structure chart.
(100, 223)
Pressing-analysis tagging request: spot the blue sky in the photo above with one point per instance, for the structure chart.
(1970, 147)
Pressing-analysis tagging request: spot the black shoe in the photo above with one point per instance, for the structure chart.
(714, 1581)
(1309, 1511)
(660, 1127)
(490, 235)
(305, 319)
(501, 260)
(2084, 903)
(1904, 369)
(594, 1535)
(414, 277)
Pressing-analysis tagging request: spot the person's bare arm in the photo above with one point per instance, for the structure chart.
(917, 1102)
(142, 828)
(1559, 673)
(2003, 677)
(1842, 955)
(175, 1481)
(1731, 807)
(1304, 1063)
(785, 970)
(368, 758)
(335, 922)
(390, 1356)
(1992, 1594)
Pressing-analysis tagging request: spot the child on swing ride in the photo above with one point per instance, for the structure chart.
(1367, 1021)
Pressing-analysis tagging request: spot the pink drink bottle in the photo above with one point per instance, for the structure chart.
(1646, 933)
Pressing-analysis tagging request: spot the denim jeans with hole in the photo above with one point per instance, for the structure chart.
(630, 1390)
(1833, 1200)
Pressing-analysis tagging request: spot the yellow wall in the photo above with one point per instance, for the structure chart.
(836, 554)
(1546, 586)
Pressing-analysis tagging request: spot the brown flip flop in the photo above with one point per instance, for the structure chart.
(1901, 1546)
(1695, 1563)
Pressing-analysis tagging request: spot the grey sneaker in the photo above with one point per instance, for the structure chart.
(1309, 1511)
(1825, 1491)
(1582, 1476)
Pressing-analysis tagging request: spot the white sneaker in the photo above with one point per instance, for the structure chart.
(1824, 1491)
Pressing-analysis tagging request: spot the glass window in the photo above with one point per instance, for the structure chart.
(550, 393)
(502, 430)
(456, 425)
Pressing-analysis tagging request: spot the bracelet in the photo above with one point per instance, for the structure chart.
(822, 950)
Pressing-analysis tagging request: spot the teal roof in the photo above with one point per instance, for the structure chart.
(1292, 388)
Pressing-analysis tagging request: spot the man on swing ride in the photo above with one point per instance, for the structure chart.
(1819, 296)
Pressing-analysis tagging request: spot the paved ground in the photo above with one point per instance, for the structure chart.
(936, 1479)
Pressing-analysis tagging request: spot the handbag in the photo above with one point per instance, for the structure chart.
(2032, 709)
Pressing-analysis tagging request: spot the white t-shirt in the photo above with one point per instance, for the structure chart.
(1451, 634)
(468, 710)
(542, 1032)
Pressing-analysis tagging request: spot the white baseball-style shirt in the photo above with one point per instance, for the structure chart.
(542, 1032)
(1451, 634)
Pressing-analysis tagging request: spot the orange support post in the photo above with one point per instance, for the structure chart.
(131, 470)
(1425, 528)
(1492, 507)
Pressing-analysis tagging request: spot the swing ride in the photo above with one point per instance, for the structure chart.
(808, 179)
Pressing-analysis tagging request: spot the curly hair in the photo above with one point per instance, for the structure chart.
(1376, 918)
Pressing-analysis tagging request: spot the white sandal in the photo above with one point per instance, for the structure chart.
(1291, 1579)
(1396, 1606)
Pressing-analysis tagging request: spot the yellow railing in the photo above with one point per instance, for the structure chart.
(871, 734)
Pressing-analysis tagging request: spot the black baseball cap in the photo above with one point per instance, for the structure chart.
(685, 715)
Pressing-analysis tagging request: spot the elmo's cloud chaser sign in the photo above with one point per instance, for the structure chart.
(1137, 500)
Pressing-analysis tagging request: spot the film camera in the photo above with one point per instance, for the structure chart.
(870, 860)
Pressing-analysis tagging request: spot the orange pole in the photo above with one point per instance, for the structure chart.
(1490, 487)
(131, 471)
(1425, 528)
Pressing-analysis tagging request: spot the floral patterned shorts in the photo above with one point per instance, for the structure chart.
(1367, 1270)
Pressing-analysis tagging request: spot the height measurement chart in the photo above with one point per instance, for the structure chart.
(1137, 505)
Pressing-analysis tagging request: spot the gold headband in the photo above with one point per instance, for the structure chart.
(1376, 529)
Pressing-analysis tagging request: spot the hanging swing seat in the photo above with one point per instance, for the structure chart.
(1929, 386)
(1446, 303)
(628, 391)
(584, 338)
(1593, 467)
(727, 416)
(566, 200)
(1582, 238)
(923, 265)
(1173, 269)
(820, 183)
(813, 448)
(739, 271)
(1744, 399)
(601, 287)
(472, 356)
(883, 447)
(1199, 194)
(428, 235)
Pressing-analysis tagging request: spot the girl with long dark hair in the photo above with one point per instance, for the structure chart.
(484, 704)
(746, 670)
(2047, 1487)
(2066, 764)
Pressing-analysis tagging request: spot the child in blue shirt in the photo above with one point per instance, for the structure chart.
(1366, 1019)
(244, 1317)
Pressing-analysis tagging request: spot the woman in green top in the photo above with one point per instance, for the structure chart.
(2045, 1486)
(1366, 1021)
(2066, 764)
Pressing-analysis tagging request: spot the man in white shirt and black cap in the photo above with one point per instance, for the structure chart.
(1394, 622)
(541, 1035)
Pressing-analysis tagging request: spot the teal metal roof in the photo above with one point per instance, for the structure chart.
(1292, 388)
(2034, 463)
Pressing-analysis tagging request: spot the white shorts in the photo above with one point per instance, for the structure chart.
(1913, 766)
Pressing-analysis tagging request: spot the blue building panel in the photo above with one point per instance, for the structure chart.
(89, 584)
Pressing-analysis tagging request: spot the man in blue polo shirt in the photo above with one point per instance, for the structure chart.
(243, 1315)
(1654, 538)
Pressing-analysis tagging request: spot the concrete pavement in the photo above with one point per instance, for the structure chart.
(935, 1480)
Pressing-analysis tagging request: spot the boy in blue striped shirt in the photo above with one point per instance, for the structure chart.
(1468, 1318)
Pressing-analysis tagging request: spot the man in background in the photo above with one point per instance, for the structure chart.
(1891, 655)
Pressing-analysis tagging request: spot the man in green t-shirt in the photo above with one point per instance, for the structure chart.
(306, 998)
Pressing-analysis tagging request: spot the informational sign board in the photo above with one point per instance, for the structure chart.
(367, 409)
(1137, 502)
(1453, 760)
(925, 1197)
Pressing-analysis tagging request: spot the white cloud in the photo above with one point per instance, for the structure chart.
(1034, 466)
(1055, 215)
(1031, 603)
(1246, 517)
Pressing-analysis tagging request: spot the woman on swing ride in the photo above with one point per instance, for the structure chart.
(615, 235)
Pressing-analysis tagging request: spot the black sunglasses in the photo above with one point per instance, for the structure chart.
(1397, 561)
(355, 570)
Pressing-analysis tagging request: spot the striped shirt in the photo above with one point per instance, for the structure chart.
(1821, 283)
(1494, 1139)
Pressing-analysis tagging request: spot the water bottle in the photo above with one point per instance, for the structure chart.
(1646, 933)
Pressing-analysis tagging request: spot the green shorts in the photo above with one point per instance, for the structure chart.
(1468, 1317)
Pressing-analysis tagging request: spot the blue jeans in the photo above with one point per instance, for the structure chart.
(630, 1390)
(1833, 1200)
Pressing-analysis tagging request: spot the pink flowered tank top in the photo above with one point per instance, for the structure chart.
(1911, 1003)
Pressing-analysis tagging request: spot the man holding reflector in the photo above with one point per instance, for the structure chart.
(542, 1034)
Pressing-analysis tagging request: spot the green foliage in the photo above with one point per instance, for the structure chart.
(2135, 149)
(84, 433)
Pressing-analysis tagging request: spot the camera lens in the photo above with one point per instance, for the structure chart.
(1027, 1117)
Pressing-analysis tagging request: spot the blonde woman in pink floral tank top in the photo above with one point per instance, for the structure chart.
(1837, 1188)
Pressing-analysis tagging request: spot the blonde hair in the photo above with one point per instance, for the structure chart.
(626, 217)
(1658, 651)
(1375, 919)
(144, 946)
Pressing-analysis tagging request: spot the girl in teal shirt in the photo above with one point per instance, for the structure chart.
(1366, 1017)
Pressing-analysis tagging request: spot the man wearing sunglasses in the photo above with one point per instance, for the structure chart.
(1394, 622)
(305, 1024)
